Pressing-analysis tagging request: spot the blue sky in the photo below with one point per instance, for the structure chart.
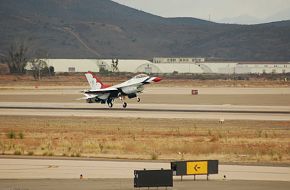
(231, 11)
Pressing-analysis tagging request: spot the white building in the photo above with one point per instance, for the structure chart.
(262, 67)
(166, 65)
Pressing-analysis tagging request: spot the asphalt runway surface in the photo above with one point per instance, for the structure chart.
(127, 184)
(219, 112)
(169, 95)
(257, 99)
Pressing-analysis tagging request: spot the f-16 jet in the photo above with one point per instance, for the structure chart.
(105, 94)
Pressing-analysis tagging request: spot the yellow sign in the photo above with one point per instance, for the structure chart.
(193, 168)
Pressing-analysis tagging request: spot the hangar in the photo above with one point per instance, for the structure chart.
(166, 65)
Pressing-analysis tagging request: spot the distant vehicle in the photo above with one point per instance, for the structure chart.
(105, 94)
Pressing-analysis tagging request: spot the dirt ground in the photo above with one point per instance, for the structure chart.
(136, 138)
(126, 184)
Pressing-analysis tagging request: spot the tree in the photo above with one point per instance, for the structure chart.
(37, 67)
(114, 65)
(103, 70)
(17, 58)
(51, 71)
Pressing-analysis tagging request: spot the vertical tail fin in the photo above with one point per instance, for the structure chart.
(94, 82)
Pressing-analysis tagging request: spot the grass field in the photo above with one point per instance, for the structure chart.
(232, 141)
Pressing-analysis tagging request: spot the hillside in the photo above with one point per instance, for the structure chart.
(105, 29)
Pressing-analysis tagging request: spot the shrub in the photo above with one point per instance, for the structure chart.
(17, 152)
(30, 153)
(2, 148)
(21, 135)
(154, 156)
(11, 135)
(101, 146)
(214, 139)
(64, 154)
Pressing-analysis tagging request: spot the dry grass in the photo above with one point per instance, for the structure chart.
(10, 81)
(233, 141)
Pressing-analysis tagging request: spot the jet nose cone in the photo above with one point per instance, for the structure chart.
(157, 79)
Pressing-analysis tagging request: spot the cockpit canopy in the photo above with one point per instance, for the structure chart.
(140, 76)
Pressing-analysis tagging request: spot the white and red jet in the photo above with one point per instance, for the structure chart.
(101, 93)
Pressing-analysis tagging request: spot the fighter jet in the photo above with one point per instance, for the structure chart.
(105, 94)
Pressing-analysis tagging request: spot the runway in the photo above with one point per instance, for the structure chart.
(127, 184)
(71, 169)
(148, 110)
(165, 95)
(43, 90)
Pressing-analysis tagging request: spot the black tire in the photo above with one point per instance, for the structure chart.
(110, 105)
(138, 99)
(124, 105)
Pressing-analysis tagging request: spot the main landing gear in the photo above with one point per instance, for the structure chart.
(110, 103)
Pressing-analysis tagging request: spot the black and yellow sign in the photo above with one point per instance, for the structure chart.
(196, 168)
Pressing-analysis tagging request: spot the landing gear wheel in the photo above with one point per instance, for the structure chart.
(110, 105)
(124, 105)
(138, 99)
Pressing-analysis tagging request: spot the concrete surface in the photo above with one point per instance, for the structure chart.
(71, 169)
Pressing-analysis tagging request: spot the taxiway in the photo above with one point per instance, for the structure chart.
(72, 169)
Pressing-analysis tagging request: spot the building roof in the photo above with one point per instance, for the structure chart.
(263, 63)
